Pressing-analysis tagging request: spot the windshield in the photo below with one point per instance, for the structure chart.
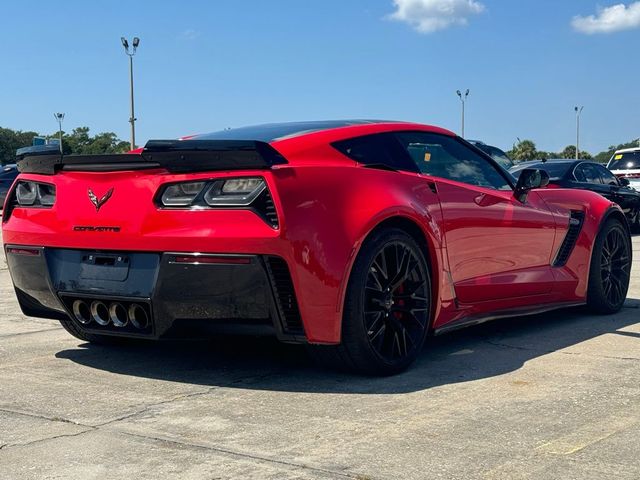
(625, 161)
(498, 155)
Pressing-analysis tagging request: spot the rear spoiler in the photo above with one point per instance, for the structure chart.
(176, 156)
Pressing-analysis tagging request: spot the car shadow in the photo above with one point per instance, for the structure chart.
(256, 363)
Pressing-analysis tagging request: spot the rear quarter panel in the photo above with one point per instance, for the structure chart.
(328, 212)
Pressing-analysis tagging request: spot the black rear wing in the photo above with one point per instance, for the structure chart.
(176, 156)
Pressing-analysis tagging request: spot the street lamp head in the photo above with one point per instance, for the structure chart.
(59, 116)
(125, 43)
(466, 94)
(459, 93)
(136, 42)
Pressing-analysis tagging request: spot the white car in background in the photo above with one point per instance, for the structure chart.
(626, 164)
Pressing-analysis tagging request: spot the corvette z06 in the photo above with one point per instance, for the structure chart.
(357, 238)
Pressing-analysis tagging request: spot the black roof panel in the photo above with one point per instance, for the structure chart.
(271, 132)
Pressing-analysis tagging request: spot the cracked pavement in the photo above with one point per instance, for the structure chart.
(549, 396)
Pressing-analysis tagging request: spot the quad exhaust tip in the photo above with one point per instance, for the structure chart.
(138, 316)
(119, 315)
(100, 313)
(81, 312)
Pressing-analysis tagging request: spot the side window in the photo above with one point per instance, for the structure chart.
(445, 157)
(380, 149)
(587, 173)
(608, 178)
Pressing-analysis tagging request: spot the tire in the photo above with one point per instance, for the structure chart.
(610, 268)
(74, 330)
(387, 309)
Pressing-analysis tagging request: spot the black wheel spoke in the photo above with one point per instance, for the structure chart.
(615, 266)
(396, 301)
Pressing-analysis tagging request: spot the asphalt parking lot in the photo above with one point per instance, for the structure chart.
(551, 396)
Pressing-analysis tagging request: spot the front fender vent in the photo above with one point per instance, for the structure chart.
(576, 220)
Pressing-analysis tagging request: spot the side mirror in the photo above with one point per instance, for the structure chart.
(530, 178)
(624, 181)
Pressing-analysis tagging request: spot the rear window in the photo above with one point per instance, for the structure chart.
(379, 150)
(625, 161)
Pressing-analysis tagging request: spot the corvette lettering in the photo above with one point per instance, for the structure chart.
(82, 228)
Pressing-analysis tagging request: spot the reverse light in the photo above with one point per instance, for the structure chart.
(26, 193)
(35, 194)
(181, 194)
(236, 192)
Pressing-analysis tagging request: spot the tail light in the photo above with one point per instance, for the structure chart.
(35, 194)
(249, 193)
(28, 194)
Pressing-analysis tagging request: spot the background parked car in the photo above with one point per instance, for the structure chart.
(8, 174)
(626, 164)
(494, 152)
(590, 176)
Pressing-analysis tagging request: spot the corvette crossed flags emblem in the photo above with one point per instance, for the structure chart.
(99, 202)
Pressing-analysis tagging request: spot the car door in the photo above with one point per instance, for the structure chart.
(626, 197)
(588, 177)
(497, 246)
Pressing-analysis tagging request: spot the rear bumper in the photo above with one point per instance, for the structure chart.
(228, 293)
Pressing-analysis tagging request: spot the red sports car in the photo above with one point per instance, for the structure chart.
(358, 238)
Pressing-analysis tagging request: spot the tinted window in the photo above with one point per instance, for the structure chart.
(446, 157)
(625, 161)
(497, 154)
(607, 177)
(377, 150)
(587, 173)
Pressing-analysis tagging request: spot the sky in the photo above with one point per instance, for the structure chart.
(207, 65)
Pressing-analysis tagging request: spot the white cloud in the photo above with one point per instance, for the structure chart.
(611, 19)
(190, 34)
(427, 16)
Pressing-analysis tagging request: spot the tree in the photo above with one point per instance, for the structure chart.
(80, 142)
(570, 152)
(604, 157)
(11, 140)
(542, 155)
(523, 151)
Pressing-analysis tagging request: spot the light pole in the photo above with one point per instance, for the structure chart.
(578, 111)
(463, 99)
(131, 53)
(59, 118)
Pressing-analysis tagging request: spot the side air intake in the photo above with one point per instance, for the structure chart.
(575, 227)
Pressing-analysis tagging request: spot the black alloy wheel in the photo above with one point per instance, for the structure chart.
(387, 309)
(610, 270)
(396, 302)
(615, 266)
